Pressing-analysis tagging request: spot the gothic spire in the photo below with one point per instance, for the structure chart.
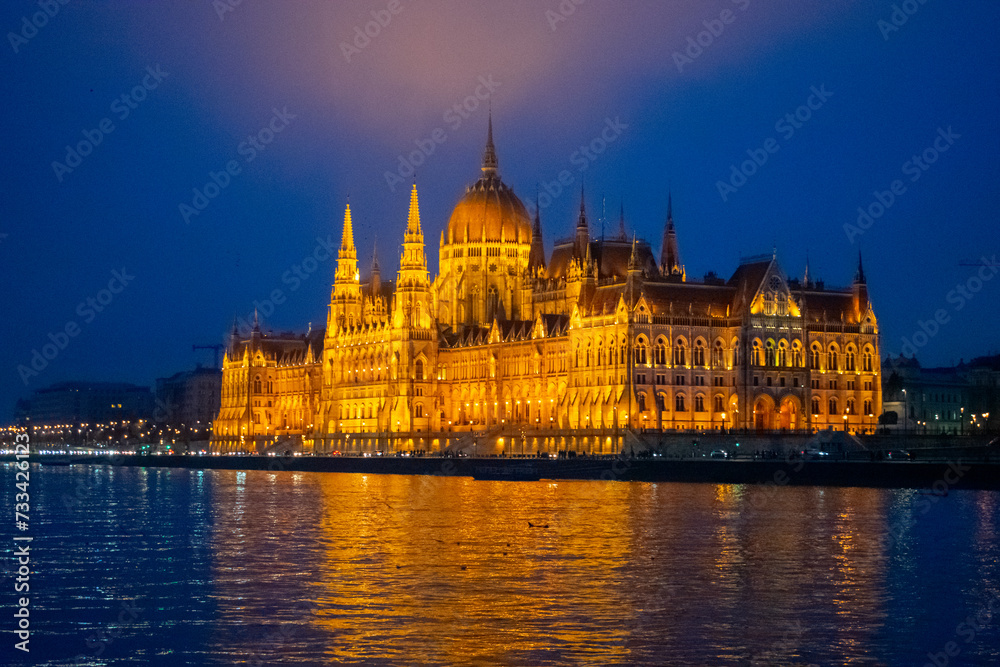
(536, 256)
(670, 256)
(490, 155)
(347, 256)
(582, 230)
(347, 240)
(859, 277)
(413, 218)
(621, 223)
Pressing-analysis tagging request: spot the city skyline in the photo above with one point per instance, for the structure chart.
(332, 122)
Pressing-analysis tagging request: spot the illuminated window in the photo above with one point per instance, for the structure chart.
(679, 403)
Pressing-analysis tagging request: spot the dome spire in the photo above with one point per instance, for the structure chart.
(490, 155)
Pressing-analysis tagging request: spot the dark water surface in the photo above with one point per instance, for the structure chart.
(171, 566)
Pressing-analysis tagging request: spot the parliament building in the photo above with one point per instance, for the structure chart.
(510, 350)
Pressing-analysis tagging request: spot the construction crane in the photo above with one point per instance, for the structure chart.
(218, 350)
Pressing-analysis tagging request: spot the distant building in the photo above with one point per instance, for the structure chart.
(86, 403)
(189, 397)
(565, 352)
(948, 399)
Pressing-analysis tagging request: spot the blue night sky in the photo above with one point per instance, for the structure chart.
(198, 81)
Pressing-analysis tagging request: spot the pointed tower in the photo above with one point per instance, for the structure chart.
(376, 279)
(805, 276)
(621, 223)
(490, 154)
(582, 230)
(859, 291)
(345, 299)
(536, 256)
(670, 256)
(412, 302)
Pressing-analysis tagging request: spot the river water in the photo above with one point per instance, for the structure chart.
(137, 566)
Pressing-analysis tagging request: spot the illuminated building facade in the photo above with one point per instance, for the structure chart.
(565, 352)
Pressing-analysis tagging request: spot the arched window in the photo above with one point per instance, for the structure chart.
(850, 406)
(680, 353)
(699, 353)
(256, 384)
(815, 405)
(782, 353)
(769, 300)
(797, 354)
(719, 403)
(660, 353)
(418, 370)
(868, 407)
(699, 403)
(599, 355)
(756, 354)
(833, 406)
(640, 351)
(623, 353)
(587, 358)
(831, 359)
(418, 410)
(642, 402)
(814, 358)
(866, 360)
(717, 355)
(679, 403)
(849, 359)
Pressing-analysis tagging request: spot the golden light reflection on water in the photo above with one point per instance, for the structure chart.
(441, 570)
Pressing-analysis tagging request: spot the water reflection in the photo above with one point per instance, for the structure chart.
(445, 570)
(274, 568)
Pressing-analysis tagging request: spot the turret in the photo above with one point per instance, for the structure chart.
(536, 256)
(582, 240)
(345, 299)
(670, 256)
(859, 291)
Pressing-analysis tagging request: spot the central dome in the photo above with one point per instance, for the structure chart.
(489, 211)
